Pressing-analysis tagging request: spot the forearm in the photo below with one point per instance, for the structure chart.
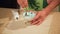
(51, 6)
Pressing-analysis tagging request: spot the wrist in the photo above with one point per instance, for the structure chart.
(46, 10)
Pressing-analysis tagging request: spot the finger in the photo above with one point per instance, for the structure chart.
(35, 22)
(36, 17)
(25, 3)
(40, 21)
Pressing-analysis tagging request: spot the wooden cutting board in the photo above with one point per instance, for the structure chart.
(51, 25)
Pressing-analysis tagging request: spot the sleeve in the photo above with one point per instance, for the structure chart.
(45, 3)
(35, 4)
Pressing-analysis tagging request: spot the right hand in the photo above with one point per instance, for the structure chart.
(23, 3)
(40, 17)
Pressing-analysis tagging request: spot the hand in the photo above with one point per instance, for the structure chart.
(41, 15)
(23, 3)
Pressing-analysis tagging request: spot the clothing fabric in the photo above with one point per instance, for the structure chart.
(9, 4)
(33, 4)
(37, 4)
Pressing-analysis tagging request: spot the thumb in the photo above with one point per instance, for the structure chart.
(36, 17)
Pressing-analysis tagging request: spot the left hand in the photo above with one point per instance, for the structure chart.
(39, 18)
(23, 3)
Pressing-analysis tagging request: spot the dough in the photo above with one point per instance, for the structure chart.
(22, 22)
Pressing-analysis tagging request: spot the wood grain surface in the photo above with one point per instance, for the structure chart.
(51, 25)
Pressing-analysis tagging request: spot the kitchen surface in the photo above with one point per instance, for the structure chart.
(51, 24)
